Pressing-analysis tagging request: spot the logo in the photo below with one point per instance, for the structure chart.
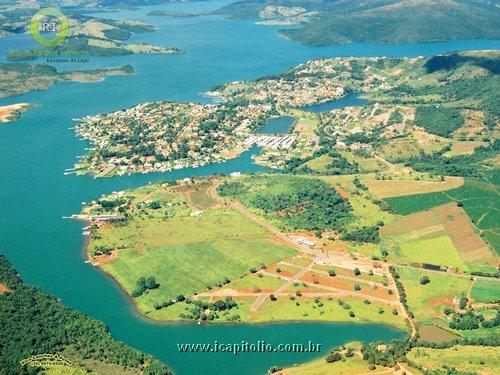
(45, 360)
(49, 20)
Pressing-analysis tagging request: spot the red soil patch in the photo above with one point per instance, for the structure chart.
(3, 288)
(444, 300)
(342, 192)
(382, 293)
(102, 259)
(284, 272)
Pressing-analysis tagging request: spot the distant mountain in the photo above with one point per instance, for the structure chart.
(379, 21)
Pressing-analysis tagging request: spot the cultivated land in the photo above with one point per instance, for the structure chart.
(385, 212)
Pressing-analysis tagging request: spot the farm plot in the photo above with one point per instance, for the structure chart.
(486, 291)
(441, 236)
(479, 198)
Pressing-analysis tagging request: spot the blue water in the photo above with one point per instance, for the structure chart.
(278, 125)
(350, 100)
(34, 194)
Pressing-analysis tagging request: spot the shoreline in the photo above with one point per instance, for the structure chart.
(144, 317)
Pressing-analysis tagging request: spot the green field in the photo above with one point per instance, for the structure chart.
(185, 251)
(286, 309)
(189, 268)
(478, 196)
(428, 301)
(486, 291)
(463, 358)
(252, 281)
(438, 251)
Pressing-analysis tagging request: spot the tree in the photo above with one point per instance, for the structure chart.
(357, 272)
(425, 280)
(332, 273)
(333, 357)
(180, 298)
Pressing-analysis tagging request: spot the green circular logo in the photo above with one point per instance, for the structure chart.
(39, 24)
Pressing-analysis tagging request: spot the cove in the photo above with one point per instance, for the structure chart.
(35, 195)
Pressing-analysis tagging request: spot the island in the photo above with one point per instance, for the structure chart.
(383, 211)
(19, 78)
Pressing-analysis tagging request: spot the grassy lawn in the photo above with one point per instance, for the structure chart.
(189, 268)
(438, 251)
(395, 188)
(253, 281)
(286, 309)
(486, 291)
(428, 301)
(320, 163)
(350, 366)
(464, 358)
(147, 231)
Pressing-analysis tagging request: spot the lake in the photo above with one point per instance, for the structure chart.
(35, 195)
(350, 100)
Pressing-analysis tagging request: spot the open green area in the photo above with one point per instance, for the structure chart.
(192, 267)
(427, 301)
(433, 251)
(486, 291)
(85, 341)
(323, 309)
(462, 358)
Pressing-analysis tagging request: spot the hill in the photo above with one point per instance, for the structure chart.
(380, 21)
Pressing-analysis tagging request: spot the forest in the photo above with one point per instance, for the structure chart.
(33, 322)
